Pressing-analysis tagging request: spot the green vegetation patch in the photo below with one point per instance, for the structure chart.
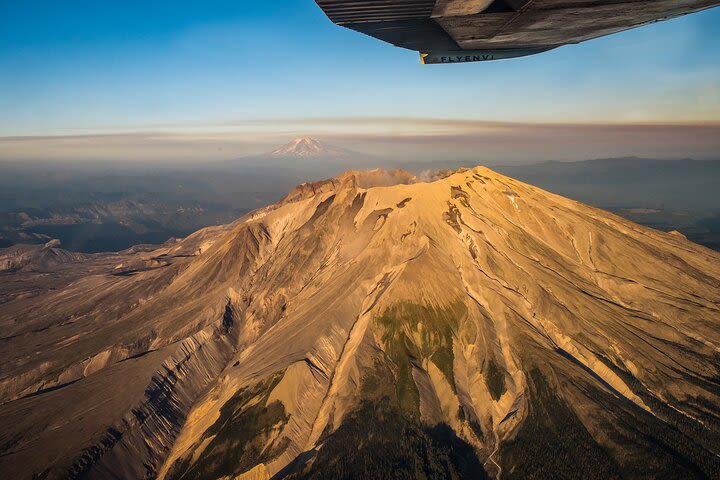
(378, 442)
(554, 443)
(412, 333)
(443, 358)
(407, 392)
(240, 436)
(665, 444)
(644, 445)
(495, 379)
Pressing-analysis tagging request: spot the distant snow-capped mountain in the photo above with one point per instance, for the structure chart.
(308, 147)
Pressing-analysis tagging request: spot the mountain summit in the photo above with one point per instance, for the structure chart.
(308, 147)
(374, 325)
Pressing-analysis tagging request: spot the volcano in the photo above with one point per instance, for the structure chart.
(373, 325)
(309, 147)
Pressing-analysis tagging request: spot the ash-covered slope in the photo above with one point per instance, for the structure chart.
(37, 257)
(377, 326)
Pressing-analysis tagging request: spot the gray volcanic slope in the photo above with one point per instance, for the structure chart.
(370, 326)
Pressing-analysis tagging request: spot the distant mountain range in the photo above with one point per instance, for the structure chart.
(622, 182)
(94, 210)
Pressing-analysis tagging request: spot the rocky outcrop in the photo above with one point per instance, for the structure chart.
(136, 446)
(42, 258)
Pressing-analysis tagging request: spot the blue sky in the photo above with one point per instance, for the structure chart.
(79, 67)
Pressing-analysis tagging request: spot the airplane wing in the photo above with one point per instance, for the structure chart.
(452, 31)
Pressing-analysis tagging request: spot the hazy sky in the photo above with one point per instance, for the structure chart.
(232, 77)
